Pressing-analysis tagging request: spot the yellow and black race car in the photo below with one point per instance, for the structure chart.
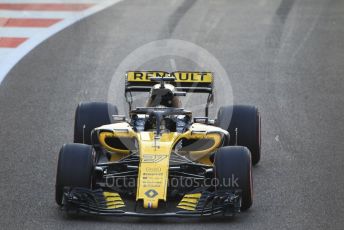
(160, 160)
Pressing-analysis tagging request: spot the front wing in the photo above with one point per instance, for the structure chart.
(107, 203)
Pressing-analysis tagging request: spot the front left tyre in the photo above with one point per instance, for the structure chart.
(233, 170)
(75, 168)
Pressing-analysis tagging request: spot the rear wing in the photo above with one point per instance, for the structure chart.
(183, 81)
(193, 82)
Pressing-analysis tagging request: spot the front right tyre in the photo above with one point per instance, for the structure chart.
(91, 115)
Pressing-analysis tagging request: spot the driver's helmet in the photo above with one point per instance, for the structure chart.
(163, 97)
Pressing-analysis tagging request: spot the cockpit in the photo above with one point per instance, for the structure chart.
(160, 119)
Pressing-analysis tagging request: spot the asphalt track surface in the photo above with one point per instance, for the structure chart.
(284, 56)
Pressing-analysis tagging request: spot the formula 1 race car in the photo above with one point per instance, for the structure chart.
(160, 160)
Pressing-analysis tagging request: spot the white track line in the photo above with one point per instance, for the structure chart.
(21, 32)
(55, 1)
(35, 14)
(5, 51)
(13, 57)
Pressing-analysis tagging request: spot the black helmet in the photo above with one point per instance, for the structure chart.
(163, 97)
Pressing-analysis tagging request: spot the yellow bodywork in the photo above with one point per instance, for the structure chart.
(153, 170)
(155, 155)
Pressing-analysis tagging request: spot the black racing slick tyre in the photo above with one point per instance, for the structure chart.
(74, 169)
(246, 120)
(90, 115)
(233, 170)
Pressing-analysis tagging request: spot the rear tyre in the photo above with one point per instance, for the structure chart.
(74, 169)
(233, 164)
(246, 119)
(90, 115)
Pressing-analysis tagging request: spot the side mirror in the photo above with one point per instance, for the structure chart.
(119, 118)
(202, 120)
(179, 93)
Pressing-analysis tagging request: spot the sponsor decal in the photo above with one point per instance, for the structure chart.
(152, 158)
(151, 193)
(144, 76)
